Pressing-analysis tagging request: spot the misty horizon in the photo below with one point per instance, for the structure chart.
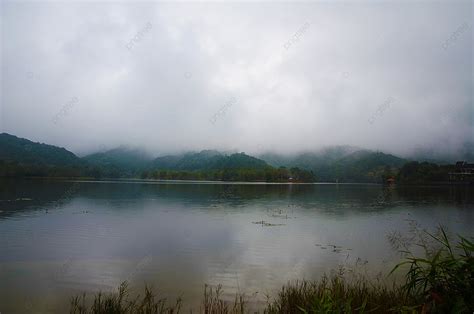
(243, 77)
(236, 157)
(344, 150)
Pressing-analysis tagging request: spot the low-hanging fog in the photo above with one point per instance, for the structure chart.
(253, 77)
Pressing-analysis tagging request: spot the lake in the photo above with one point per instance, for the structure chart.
(61, 238)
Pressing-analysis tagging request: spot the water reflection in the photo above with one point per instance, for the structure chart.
(59, 238)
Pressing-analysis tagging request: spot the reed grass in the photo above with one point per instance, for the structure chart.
(335, 294)
(122, 303)
(442, 281)
(444, 277)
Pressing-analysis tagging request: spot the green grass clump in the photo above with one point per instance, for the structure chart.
(214, 304)
(444, 278)
(336, 294)
(122, 303)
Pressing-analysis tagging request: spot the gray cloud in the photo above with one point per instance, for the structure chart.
(303, 75)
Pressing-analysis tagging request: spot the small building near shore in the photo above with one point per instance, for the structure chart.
(463, 172)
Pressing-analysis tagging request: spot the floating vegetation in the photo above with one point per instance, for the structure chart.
(278, 213)
(83, 211)
(335, 248)
(266, 224)
(361, 261)
(281, 216)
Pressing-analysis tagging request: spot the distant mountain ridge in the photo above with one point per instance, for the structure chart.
(309, 160)
(341, 163)
(13, 148)
(208, 160)
(20, 156)
(121, 159)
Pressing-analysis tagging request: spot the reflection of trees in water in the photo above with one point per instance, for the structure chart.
(334, 198)
(18, 195)
(454, 194)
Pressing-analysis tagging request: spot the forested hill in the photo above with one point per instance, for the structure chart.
(208, 160)
(213, 165)
(22, 157)
(20, 150)
(119, 162)
(342, 164)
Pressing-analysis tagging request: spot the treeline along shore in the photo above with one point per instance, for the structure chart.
(23, 158)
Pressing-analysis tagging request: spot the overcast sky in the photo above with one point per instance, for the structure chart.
(394, 76)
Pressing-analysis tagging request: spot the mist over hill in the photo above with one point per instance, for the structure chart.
(341, 163)
(21, 157)
(121, 161)
(21, 150)
(239, 79)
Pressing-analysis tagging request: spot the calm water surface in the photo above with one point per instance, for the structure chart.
(59, 238)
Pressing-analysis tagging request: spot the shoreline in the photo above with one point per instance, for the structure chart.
(217, 182)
